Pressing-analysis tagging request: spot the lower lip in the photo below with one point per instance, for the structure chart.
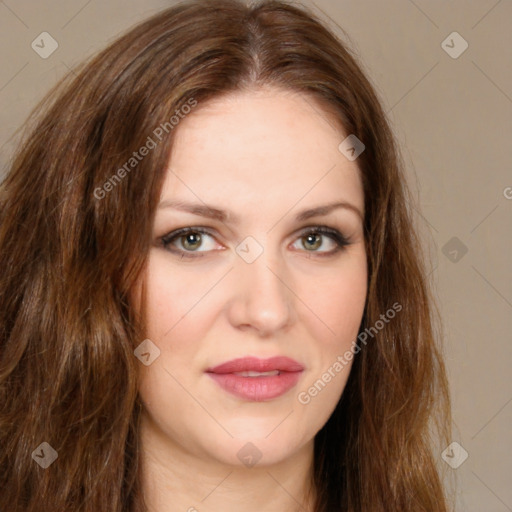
(257, 389)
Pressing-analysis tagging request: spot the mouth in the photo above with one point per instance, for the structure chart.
(257, 380)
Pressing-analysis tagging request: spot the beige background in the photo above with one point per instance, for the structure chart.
(453, 117)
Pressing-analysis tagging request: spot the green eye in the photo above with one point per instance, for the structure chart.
(194, 242)
(191, 241)
(312, 241)
(322, 240)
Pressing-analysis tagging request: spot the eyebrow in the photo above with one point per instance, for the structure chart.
(204, 210)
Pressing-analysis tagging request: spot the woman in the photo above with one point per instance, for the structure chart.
(213, 297)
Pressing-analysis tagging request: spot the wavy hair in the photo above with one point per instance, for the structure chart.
(71, 254)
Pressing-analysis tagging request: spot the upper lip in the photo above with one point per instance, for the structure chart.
(255, 364)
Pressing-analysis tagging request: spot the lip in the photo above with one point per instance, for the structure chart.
(258, 388)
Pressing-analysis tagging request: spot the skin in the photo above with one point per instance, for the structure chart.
(263, 155)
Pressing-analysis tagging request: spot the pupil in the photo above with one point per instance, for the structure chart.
(313, 240)
(192, 240)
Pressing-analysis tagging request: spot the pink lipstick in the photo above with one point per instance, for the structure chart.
(257, 379)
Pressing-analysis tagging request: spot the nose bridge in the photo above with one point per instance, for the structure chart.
(263, 299)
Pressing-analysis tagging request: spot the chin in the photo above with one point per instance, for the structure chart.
(261, 447)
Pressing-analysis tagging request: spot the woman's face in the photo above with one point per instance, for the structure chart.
(260, 275)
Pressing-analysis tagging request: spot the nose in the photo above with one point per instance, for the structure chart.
(262, 299)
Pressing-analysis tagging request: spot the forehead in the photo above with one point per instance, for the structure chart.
(264, 145)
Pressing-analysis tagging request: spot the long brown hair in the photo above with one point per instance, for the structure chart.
(73, 247)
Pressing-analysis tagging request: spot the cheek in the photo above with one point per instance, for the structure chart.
(335, 302)
(176, 321)
(172, 301)
(173, 295)
(334, 314)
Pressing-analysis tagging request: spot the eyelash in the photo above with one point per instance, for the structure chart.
(338, 238)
